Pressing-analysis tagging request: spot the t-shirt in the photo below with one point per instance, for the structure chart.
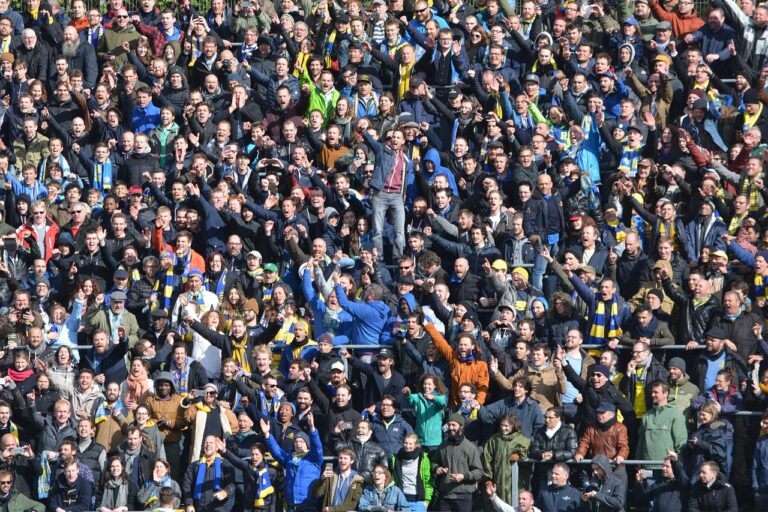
(570, 391)
(713, 366)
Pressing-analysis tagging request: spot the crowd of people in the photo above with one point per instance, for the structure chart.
(397, 255)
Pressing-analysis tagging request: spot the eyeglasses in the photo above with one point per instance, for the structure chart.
(38, 213)
(270, 386)
(5, 482)
(75, 211)
(121, 16)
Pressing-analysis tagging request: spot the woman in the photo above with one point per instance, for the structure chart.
(413, 473)
(117, 492)
(713, 440)
(138, 386)
(169, 55)
(45, 394)
(153, 438)
(476, 41)
(62, 373)
(91, 290)
(345, 119)
(383, 494)
(144, 51)
(161, 477)
(217, 278)
(562, 318)
(386, 120)
(359, 236)
(503, 449)
(428, 405)
(233, 304)
(38, 93)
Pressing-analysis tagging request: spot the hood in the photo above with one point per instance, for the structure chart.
(381, 308)
(683, 380)
(631, 51)
(602, 461)
(548, 36)
(410, 300)
(166, 376)
(433, 156)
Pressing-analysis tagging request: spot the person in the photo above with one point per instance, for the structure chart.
(342, 489)
(556, 441)
(206, 415)
(149, 494)
(457, 468)
(70, 491)
(382, 493)
(711, 492)
(606, 490)
(428, 406)
(606, 436)
(558, 494)
(412, 472)
(502, 450)
(367, 453)
(654, 441)
(302, 466)
(117, 491)
(209, 482)
(13, 499)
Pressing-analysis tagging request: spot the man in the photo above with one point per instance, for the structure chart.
(606, 436)
(741, 327)
(554, 442)
(211, 419)
(370, 316)
(111, 48)
(645, 327)
(668, 493)
(165, 408)
(200, 299)
(681, 389)
(711, 493)
(525, 409)
(706, 230)
(80, 55)
(105, 359)
(342, 488)
(19, 465)
(389, 428)
(608, 312)
(368, 454)
(390, 176)
(13, 499)
(642, 370)
(209, 482)
(696, 308)
(558, 494)
(547, 379)
(382, 381)
(70, 490)
(610, 489)
(629, 265)
(138, 461)
(457, 468)
(89, 452)
(35, 54)
(663, 427)
(186, 373)
(121, 324)
(717, 356)
(86, 395)
(714, 39)
(110, 418)
(50, 431)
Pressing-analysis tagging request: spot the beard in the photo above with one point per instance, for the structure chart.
(69, 49)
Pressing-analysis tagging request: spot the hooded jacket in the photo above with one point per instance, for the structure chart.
(662, 427)
(301, 472)
(613, 489)
(370, 318)
(473, 370)
(547, 384)
(72, 497)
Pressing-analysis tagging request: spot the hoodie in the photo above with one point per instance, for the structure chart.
(370, 318)
(613, 489)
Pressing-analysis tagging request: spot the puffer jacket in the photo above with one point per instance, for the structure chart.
(714, 442)
(610, 440)
(300, 472)
(719, 496)
(367, 455)
(562, 444)
(694, 321)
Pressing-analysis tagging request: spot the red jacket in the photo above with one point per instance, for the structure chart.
(50, 236)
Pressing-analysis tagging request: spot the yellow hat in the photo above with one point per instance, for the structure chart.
(499, 265)
(521, 272)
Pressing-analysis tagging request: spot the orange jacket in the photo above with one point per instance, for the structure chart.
(611, 442)
(473, 372)
(195, 260)
(681, 25)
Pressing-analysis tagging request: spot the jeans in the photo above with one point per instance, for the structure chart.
(540, 265)
(383, 202)
(417, 506)
(457, 503)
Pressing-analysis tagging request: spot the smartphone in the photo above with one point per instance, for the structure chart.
(17, 451)
(347, 425)
(200, 393)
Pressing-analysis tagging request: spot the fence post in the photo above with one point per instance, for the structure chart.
(515, 482)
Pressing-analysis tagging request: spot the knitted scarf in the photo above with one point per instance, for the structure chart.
(102, 176)
(20, 376)
(181, 376)
(202, 467)
(751, 119)
(218, 287)
(115, 322)
(263, 487)
(404, 85)
(267, 404)
(104, 410)
(168, 288)
(240, 352)
(749, 189)
(604, 327)
(630, 156)
(138, 387)
(42, 173)
(156, 486)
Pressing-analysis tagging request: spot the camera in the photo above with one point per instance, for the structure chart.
(17, 451)
(589, 487)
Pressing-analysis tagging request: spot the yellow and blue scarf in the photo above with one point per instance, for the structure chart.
(263, 487)
(604, 327)
(202, 466)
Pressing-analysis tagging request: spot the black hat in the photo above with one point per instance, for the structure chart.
(406, 279)
(386, 353)
(158, 314)
(717, 333)
(701, 104)
(264, 40)
(750, 97)
(342, 17)
(605, 407)
(454, 93)
(416, 82)
(120, 273)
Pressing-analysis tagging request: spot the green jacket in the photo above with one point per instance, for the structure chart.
(459, 457)
(429, 417)
(325, 488)
(318, 101)
(662, 427)
(20, 503)
(682, 393)
(496, 463)
(424, 485)
(100, 320)
(32, 152)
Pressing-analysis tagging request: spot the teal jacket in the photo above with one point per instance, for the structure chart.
(429, 417)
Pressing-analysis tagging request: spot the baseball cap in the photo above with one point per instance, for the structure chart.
(118, 296)
(386, 353)
(605, 407)
(664, 25)
(135, 190)
(499, 265)
(270, 267)
(338, 366)
(532, 77)
(255, 254)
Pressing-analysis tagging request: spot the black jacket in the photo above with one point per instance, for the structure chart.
(655, 371)
(667, 495)
(694, 322)
(612, 492)
(375, 386)
(733, 362)
(562, 444)
(74, 497)
(367, 455)
(207, 502)
(112, 364)
(593, 397)
(739, 330)
(720, 497)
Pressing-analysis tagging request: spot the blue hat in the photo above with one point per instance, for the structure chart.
(195, 272)
(630, 21)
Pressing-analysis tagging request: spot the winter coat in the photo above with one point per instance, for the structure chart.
(391, 498)
(739, 330)
(760, 466)
(20, 503)
(300, 472)
(389, 435)
(682, 393)
(72, 497)
(562, 444)
(326, 488)
(560, 499)
(719, 497)
(611, 442)
(694, 321)
(654, 372)
(370, 318)
(714, 442)
(474, 371)
(461, 456)
(592, 398)
(668, 495)
(496, 460)
(367, 456)
(112, 42)
(732, 362)
(547, 384)
(429, 418)
(207, 501)
(682, 25)
(527, 412)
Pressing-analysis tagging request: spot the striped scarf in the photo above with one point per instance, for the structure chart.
(42, 173)
(94, 36)
(263, 487)
(168, 289)
(751, 193)
(629, 158)
(218, 287)
(759, 287)
(269, 407)
(102, 176)
(604, 327)
(181, 377)
(105, 410)
(156, 486)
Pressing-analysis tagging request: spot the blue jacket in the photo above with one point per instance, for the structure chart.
(760, 466)
(713, 238)
(145, 119)
(390, 436)
(392, 498)
(337, 323)
(370, 318)
(301, 473)
(527, 412)
(385, 161)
